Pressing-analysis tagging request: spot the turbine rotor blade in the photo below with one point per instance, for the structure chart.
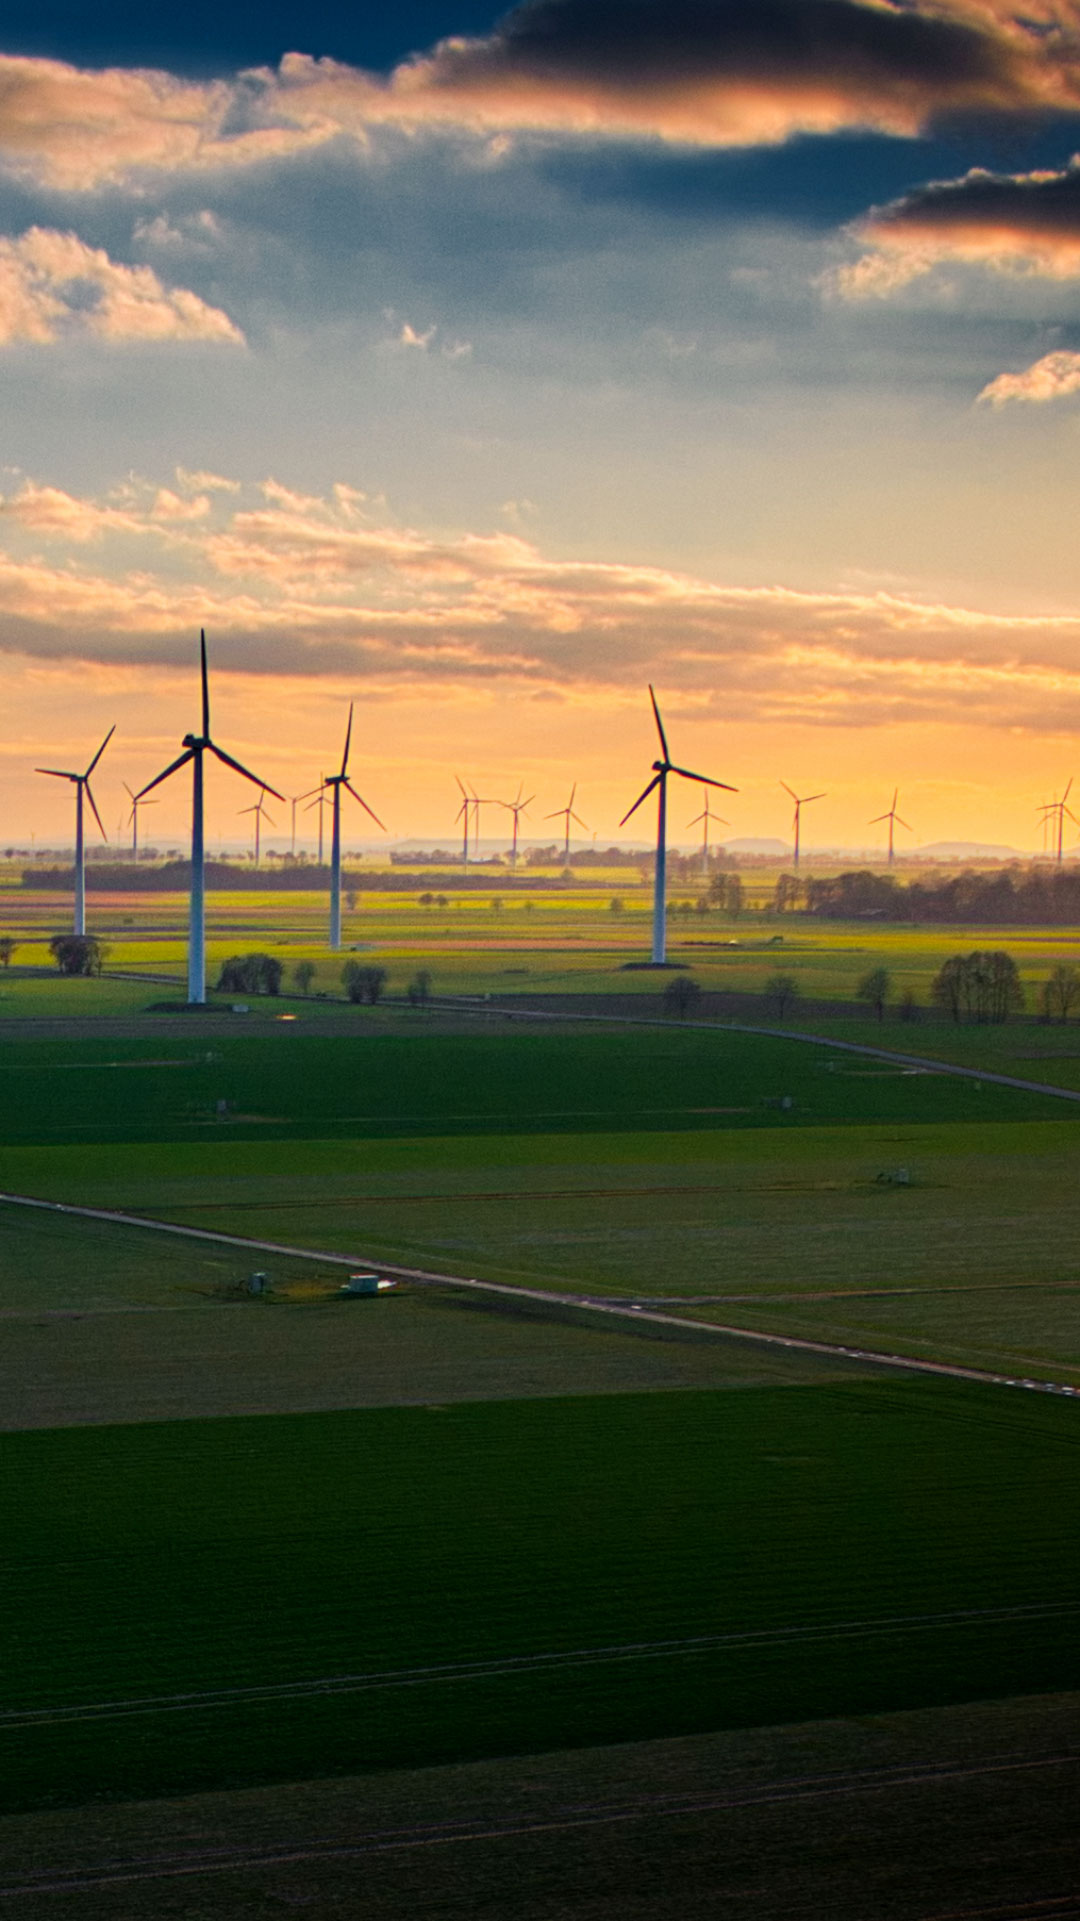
(585, 824)
(809, 797)
(58, 773)
(1067, 792)
(659, 724)
(238, 768)
(205, 685)
(791, 791)
(655, 782)
(93, 808)
(705, 779)
(904, 823)
(181, 761)
(368, 810)
(99, 753)
(348, 738)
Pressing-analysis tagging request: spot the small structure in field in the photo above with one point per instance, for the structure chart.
(363, 1286)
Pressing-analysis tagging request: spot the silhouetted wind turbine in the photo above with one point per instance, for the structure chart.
(799, 805)
(133, 819)
(259, 810)
(319, 802)
(463, 816)
(195, 746)
(567, 814)
(1055, 811)
(336, 782)
(82, 786)
(661, 770)
(894, 821)
(706, 816)
(517, 808)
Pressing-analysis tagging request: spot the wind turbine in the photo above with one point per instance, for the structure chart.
(195, 746)
(517, 808)
(567, 814)
(894, 821)
(336, 782)
(661, 770)
(1055, 811)
(463, 816)
(133, 819)
(800, 803)
(706, 816)
(258, 810)
(82, 786)
(319, 802)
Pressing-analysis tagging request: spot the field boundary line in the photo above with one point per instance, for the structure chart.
(920, 1061)
(632, 1312)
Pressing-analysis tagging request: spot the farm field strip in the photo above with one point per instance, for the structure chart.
(633, 1312)
(321, 1686)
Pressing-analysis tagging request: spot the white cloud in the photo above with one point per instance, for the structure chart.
(1053, 377)
(53, 286)
(205, 483)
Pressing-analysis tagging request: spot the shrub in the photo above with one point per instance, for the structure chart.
(363, 984)
(77, 953)
(251, 974)
(681, 996)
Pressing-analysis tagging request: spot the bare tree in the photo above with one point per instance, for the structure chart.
(1061, 992)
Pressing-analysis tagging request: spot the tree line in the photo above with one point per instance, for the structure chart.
(1016, 896)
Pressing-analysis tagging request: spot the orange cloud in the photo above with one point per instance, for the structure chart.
(53, 285)
(1013, 223)
(312, 587)
(1053, 377)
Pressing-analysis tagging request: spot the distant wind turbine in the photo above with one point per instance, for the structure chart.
(1053, 813)
(706, 817)
(82, 786)
(799, 805)
(894, 821)
(463, 816)
(133, 819)
(195, 746)
(517, 808)
(661, 770)
(566, 815)
(259, 811)
(320, 802)
(335, 782)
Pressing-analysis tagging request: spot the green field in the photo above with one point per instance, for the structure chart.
(311, 1594)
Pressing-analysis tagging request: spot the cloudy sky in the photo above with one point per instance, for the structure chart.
(483, 367)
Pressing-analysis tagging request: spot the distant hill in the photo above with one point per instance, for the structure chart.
(772, 849)
(968, 850)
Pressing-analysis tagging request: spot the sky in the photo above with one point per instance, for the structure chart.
(484, 367)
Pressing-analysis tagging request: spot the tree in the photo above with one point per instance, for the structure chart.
(874, 987)
(681, 996)
(77, 954)
(1060, 993)
(615, 905)
(303, 974)
(909, 1006)
(350, 900)
(363, 983)
(780, 990)
(718, 890)
(786, 893)
(734, 901)
(7, 949)
(419, 989)
(979, 986)
(251, 974)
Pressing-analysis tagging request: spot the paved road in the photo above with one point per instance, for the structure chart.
(558, 1303)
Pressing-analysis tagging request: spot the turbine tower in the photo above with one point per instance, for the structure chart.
(706, 816)
(566, 815)
(517, 808)
(195, 746)
(799, 805)
(1053, 813)
(336, 782)
(133, 819)
(463, 816)
(82, 786)
(259, 811)
(894, 821)
(661, 770)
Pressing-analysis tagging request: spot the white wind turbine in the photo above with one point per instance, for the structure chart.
(895, 821)
(661, 770)
(260, 812)
(566, 815)
(82, 786)
(133, 819)
(195, 746)
(706, 816)
(517, 808)
(336, 782)
(800, 802)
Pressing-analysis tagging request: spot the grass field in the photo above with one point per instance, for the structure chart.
(545, 1573)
